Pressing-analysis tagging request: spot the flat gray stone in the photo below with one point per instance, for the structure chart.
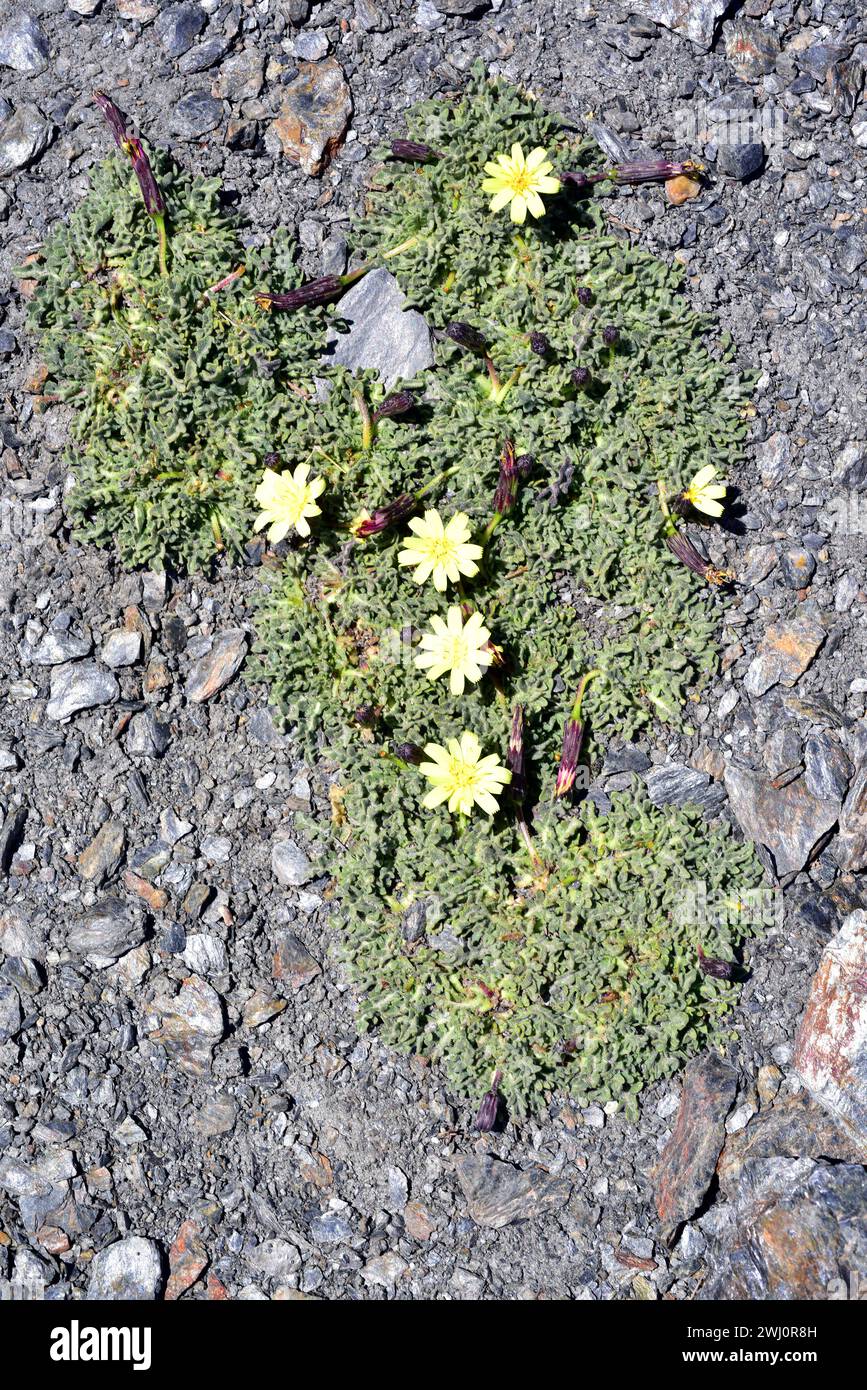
(23, 45)
(498, 1194)
(24, 134)
(131, 1268)
(789, 821)
(696, 19)
(83, 685)
(106, 931)
(675, 784)
(384, 336)
(121, 648)
(290, 864)
(831, 1045)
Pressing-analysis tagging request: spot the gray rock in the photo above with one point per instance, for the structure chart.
(10, 1012)
(383, 335)
(687, 1163)
(24, 136)
(310, 46)
(831, 1045)
(204, 55)
(797, 568)
(191, 1025)
(789, 821)
(740, 161)
(23, 45)
(121, 648)
(218, 666)
(83, 685)
(57, 647)
(129, 1269)
(784, 654)
(178, 27)
(850, 847)
(462, 8)
(196, 114)
(290, 864)
(674, 784)
(293, 963)
(85, 8)
(751, 49)
(827, 769)
(217, 1115)
(498, 1194)
(103, 855)
(274, 1259)
(205, 954)
(696, 19)
(147, 736)
(11, 832)
(106, 931)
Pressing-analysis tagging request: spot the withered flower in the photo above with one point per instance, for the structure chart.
(414, 152)
(313, 292)
(384, 517)
(467, 337)
(686, 552)
(398, 404)
(515, 756)
(719, 969)
(654, 170)
(487, 1116)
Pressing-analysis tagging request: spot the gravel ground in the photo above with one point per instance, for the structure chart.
(309, 1160)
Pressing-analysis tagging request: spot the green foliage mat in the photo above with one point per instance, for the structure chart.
(571, 971)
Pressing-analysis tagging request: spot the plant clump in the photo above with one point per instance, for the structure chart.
(480, 578)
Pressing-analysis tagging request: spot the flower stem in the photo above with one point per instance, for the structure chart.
(160, 220)
(367, 428)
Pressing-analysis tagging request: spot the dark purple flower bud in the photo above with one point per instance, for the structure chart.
(384, 517)
(313, 292)
(398, 404)
(686, 552)
(573, 737)
(654, 170)
(366, 716)
(580, 377)
(515, 755)
(507, 483)
(610, 335)
(134, 151)
(584, 295)
(467, 337)
(578, 178)
(539, 344)
(414, 152)
(409, 753)
(718, 969)
(487, 1116)
(524, 465)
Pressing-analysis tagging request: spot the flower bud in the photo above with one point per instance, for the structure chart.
(584, 295)
(487, 1116)
(610, 335)
(467, 337)
(384, 517)
(651, 170)
(134, 151)
(313, 292)
(539, 344)
(515, 756)
(524, 465)
(414, 152)
(409, 753)
(686, 552)
(507, 483)
(580, 377)
(366, 716)
(398, 404)
(718, 969)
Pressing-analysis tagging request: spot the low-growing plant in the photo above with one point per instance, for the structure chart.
(454, 559)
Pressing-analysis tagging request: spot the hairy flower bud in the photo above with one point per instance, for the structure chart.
(487, 1115)
(610, 335)
(134, 151)
(718, 969)
(654, 170)
(524, 465)
(409, 753)
(539, 344)
(384, 517)
(467, 337)
(507, 483)
(414, 152)
(686, 552)
(580, 377)
(515, 757)
(584, 295)
(573, 737)
(366, 716)
(398, 404)
(313, 292)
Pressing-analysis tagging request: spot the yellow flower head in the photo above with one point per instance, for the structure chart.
(703, 494)
(519, 181)
(455, 646)
(287, 500)
(462, 777)
(442, 551)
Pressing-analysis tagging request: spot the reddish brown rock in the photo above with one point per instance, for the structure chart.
(218, 666)
(831, 1045)
(187, 1259)
(315, 113)
(418, 1221)
(293, 963)
(687, 1163)
(784, 654)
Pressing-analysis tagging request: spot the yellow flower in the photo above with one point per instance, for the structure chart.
(703, 494)
(463, 778)
(519, 181)
(442, 551)
(457, 647)
(287, 500)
